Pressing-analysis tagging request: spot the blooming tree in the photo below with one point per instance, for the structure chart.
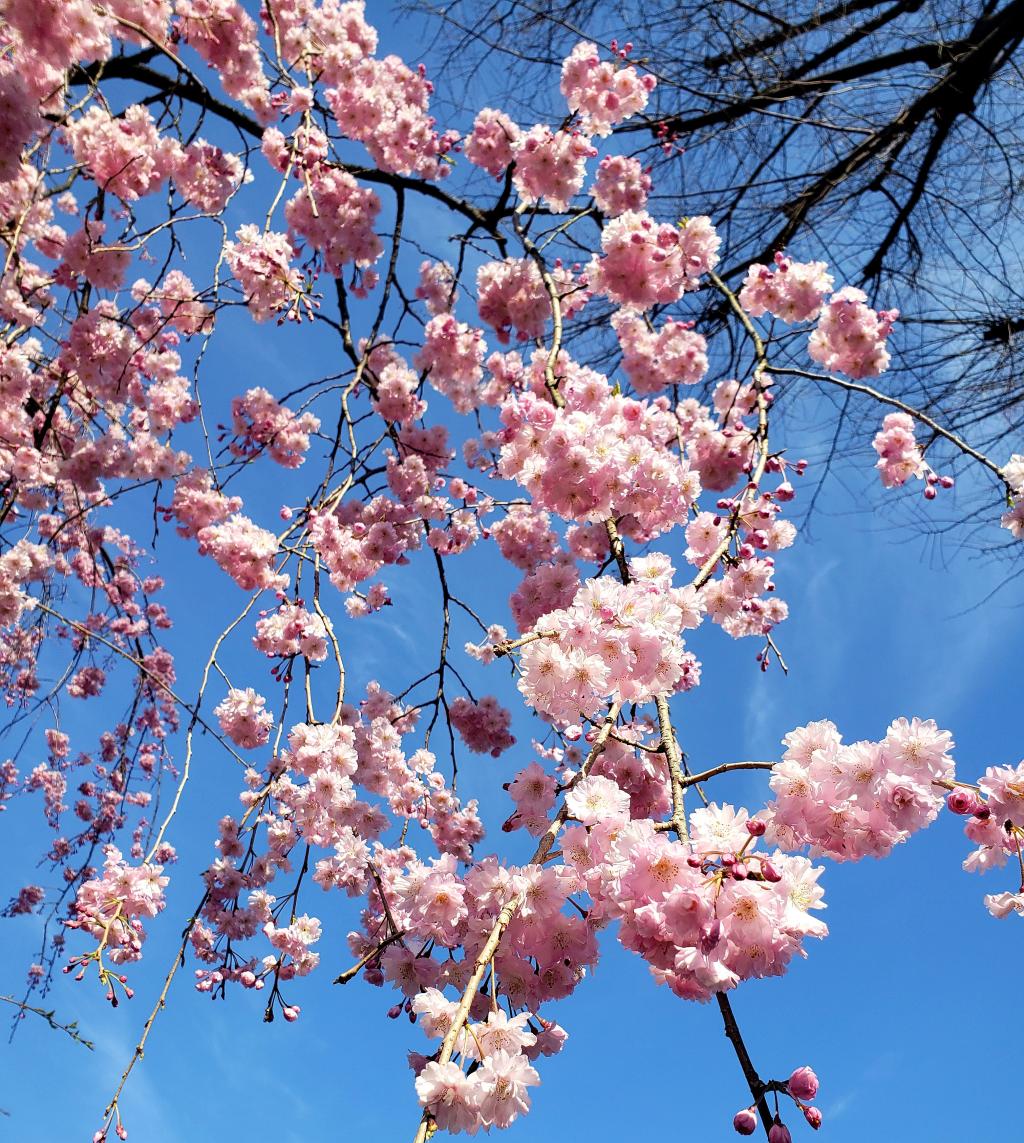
(170, 168)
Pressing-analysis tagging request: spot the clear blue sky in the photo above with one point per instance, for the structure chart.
(907, 1011)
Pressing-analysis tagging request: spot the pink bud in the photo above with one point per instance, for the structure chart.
(802, 1084)
(779, 1133)
(756, 827)
(813, 1117)
(961, 801)
(291, 1013)
(745, 1121)
(929, 492)
(770, 873)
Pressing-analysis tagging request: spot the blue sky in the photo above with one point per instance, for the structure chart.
(903, 1011)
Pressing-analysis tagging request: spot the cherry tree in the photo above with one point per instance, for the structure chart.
(171, 168)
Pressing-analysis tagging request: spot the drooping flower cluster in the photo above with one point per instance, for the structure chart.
(436, 287)
(225, 35)
(262, 263)
(602, 92)
(511, 295)
(336, 216)
(292, 630)
(858, 800)
(850, 337)
(385, 106)
(207, 177)
(491, 144)
(244, 719)
(551, 165)
(483, 726)
(615, 642)
(621, 184)
(110, 908)
(995, 823)
(603, 455)
(245, 551)
(646, 263)
(653, 360)
(125, 155)
(791, 291)
(899, 454)
(453, 355)
(705, 915)
(1013, 473)
(260, 423)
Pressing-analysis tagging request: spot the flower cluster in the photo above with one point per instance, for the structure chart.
(483, 726)
(858, 800)
(511, 295)
(292, 630)
(260, 423)
(603, 455)
(899, 454)
(335, 215)
(245, 551)
(110, 908)
(1013, 474)
(850, 337)
(618, 642)
(125, 155)
(601, 93)
(491, 144)
(385, 106)
(653, 359)
(705, 915)
(452, 355)
(646, 263)
(791, 291)
(620, 184)
(262, 263)
(551, 165)
(225, 35)
(436, 287)
(995, 823)
(244, 719)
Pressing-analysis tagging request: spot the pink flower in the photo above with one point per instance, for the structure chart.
(450, 1097)
(1003, 904)
(504, 1078)
(597, 799)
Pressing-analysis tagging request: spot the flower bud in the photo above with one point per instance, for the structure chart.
(779, 1133)
(961, 801)
(813, 1117)
(710, 935)
(745, 1121)
(770, 873)
(802, 1084)
(756, 827)
(291, 1013)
